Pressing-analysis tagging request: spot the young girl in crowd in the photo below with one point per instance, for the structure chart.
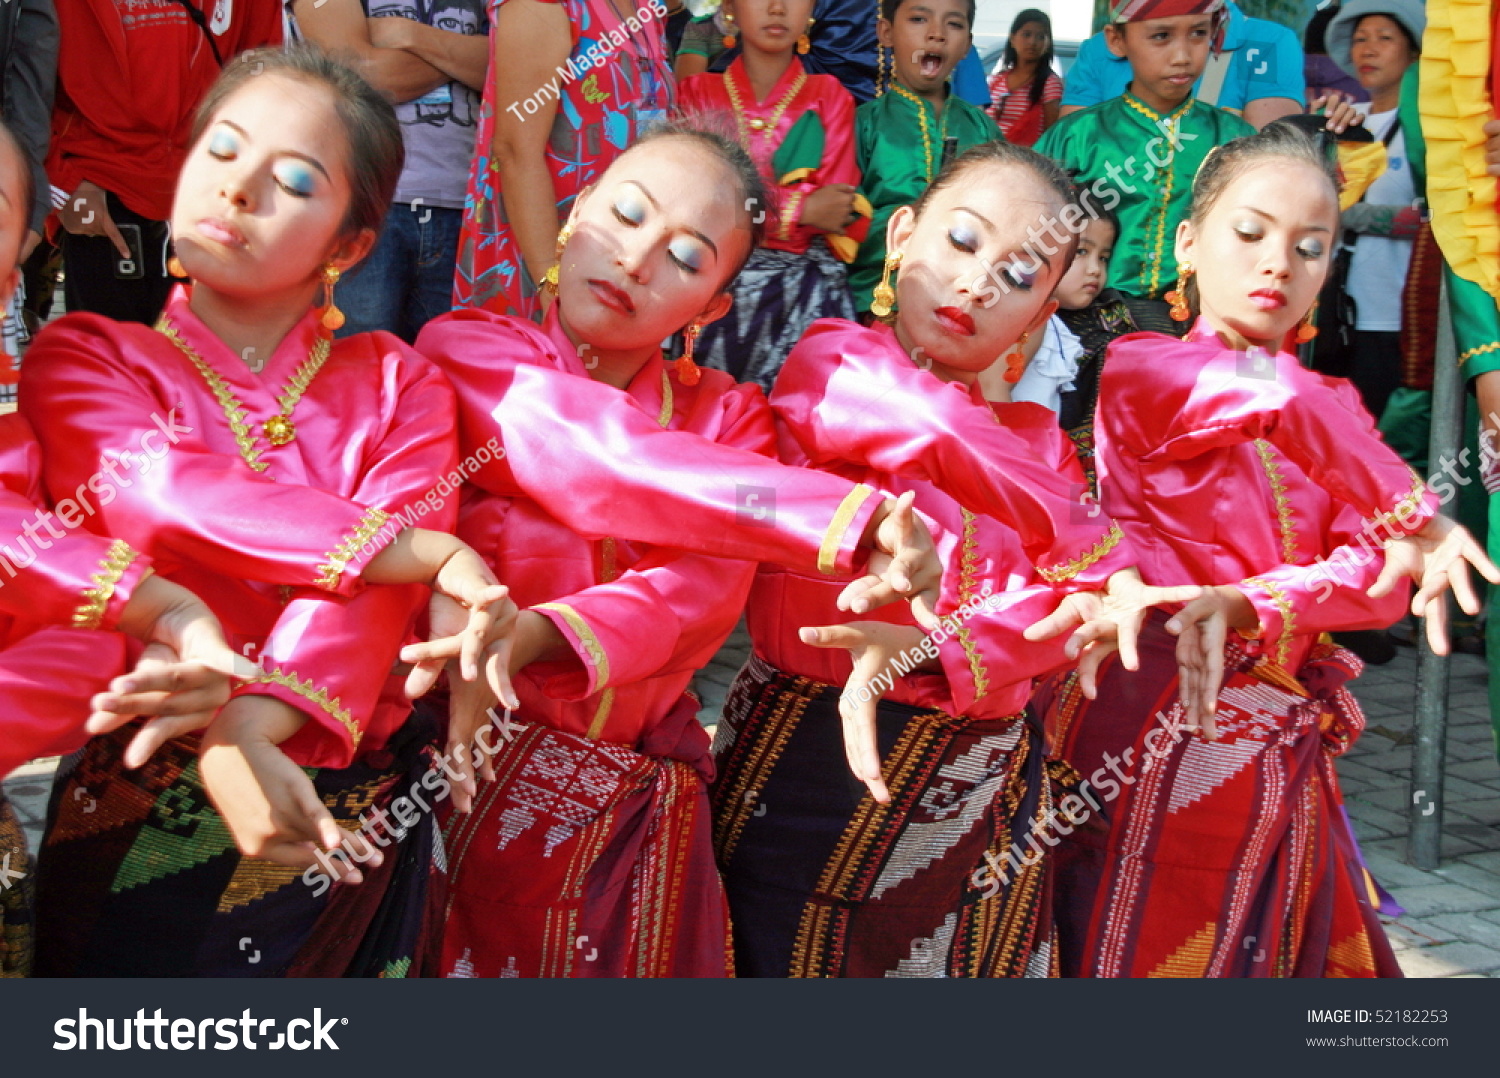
(257, 463)
(878, 877)
(902, 134)
(799, 130)
(1229, 854)
(1025, 93)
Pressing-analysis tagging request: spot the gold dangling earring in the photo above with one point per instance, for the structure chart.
(549, 279)
(729, 39)
(1015, 360)
(804, 43)
(1306, 331)
(884, 295)
(1177, 297)
(687, 371)
(174, 268)
(332, 319)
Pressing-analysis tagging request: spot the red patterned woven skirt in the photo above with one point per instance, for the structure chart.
(588, 859)
(825, 882)
(1230, 858)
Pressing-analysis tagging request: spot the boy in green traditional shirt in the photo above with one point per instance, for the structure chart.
(1138, 153)
(899, 135)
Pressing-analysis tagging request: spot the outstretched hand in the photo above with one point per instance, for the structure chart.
(182, 677)
(1106, 622)
(268, 803)
(1201, 628)
(1437, 558)
(904, 564)
(873, 644)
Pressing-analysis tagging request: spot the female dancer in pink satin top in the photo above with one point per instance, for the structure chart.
(1229, 465)
(828, 877)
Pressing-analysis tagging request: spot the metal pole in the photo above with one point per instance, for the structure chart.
(1430, 726)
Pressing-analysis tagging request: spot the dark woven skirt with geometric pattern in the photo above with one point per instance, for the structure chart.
(15, 896)
(825, 882)
(139, 877)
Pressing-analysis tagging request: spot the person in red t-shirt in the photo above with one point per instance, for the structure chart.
(129, 77)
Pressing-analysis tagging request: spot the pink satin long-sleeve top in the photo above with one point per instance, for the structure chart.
(61, 589)
(1001, 483)
(603, 466)
(1244, 468)
(640, 618)
(161, 435)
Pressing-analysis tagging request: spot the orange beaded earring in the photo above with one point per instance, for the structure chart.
(332, 319)
(804, 43)
(1178, 296)
(687, 370)
(1015, 360)
(1306, 331)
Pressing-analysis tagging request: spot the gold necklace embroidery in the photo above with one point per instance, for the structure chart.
(767, 128)
(926, 135)
(1170, 123)
(279, 429)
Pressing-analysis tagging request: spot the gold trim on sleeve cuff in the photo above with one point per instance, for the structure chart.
(90, 615)
(340, 556)
(1068, 570)
(833, 538)
(1284, 607)
(586, 636)
(1391, 518)
(317, 696)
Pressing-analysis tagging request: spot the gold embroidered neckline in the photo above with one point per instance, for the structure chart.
(279, 429)
(921, 106)
(767, 128)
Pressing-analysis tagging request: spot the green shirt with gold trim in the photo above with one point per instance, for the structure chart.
(1129, 158)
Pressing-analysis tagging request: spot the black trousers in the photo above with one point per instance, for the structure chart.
(1376, 367)
(90, 280)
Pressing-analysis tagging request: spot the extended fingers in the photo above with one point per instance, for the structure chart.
(1435, 617)
(422, 678)
(1056, 623)
(866, 594)
(1474, 554)
(439, 650)
(833, 636)
(860, 745)
(1088, 668)
(1127, 629)
(1391, 573)
(497, 673)
(156, 733)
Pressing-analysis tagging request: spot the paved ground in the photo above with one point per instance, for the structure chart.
(1452, 922)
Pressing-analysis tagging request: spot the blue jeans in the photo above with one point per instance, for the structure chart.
(407, 278)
